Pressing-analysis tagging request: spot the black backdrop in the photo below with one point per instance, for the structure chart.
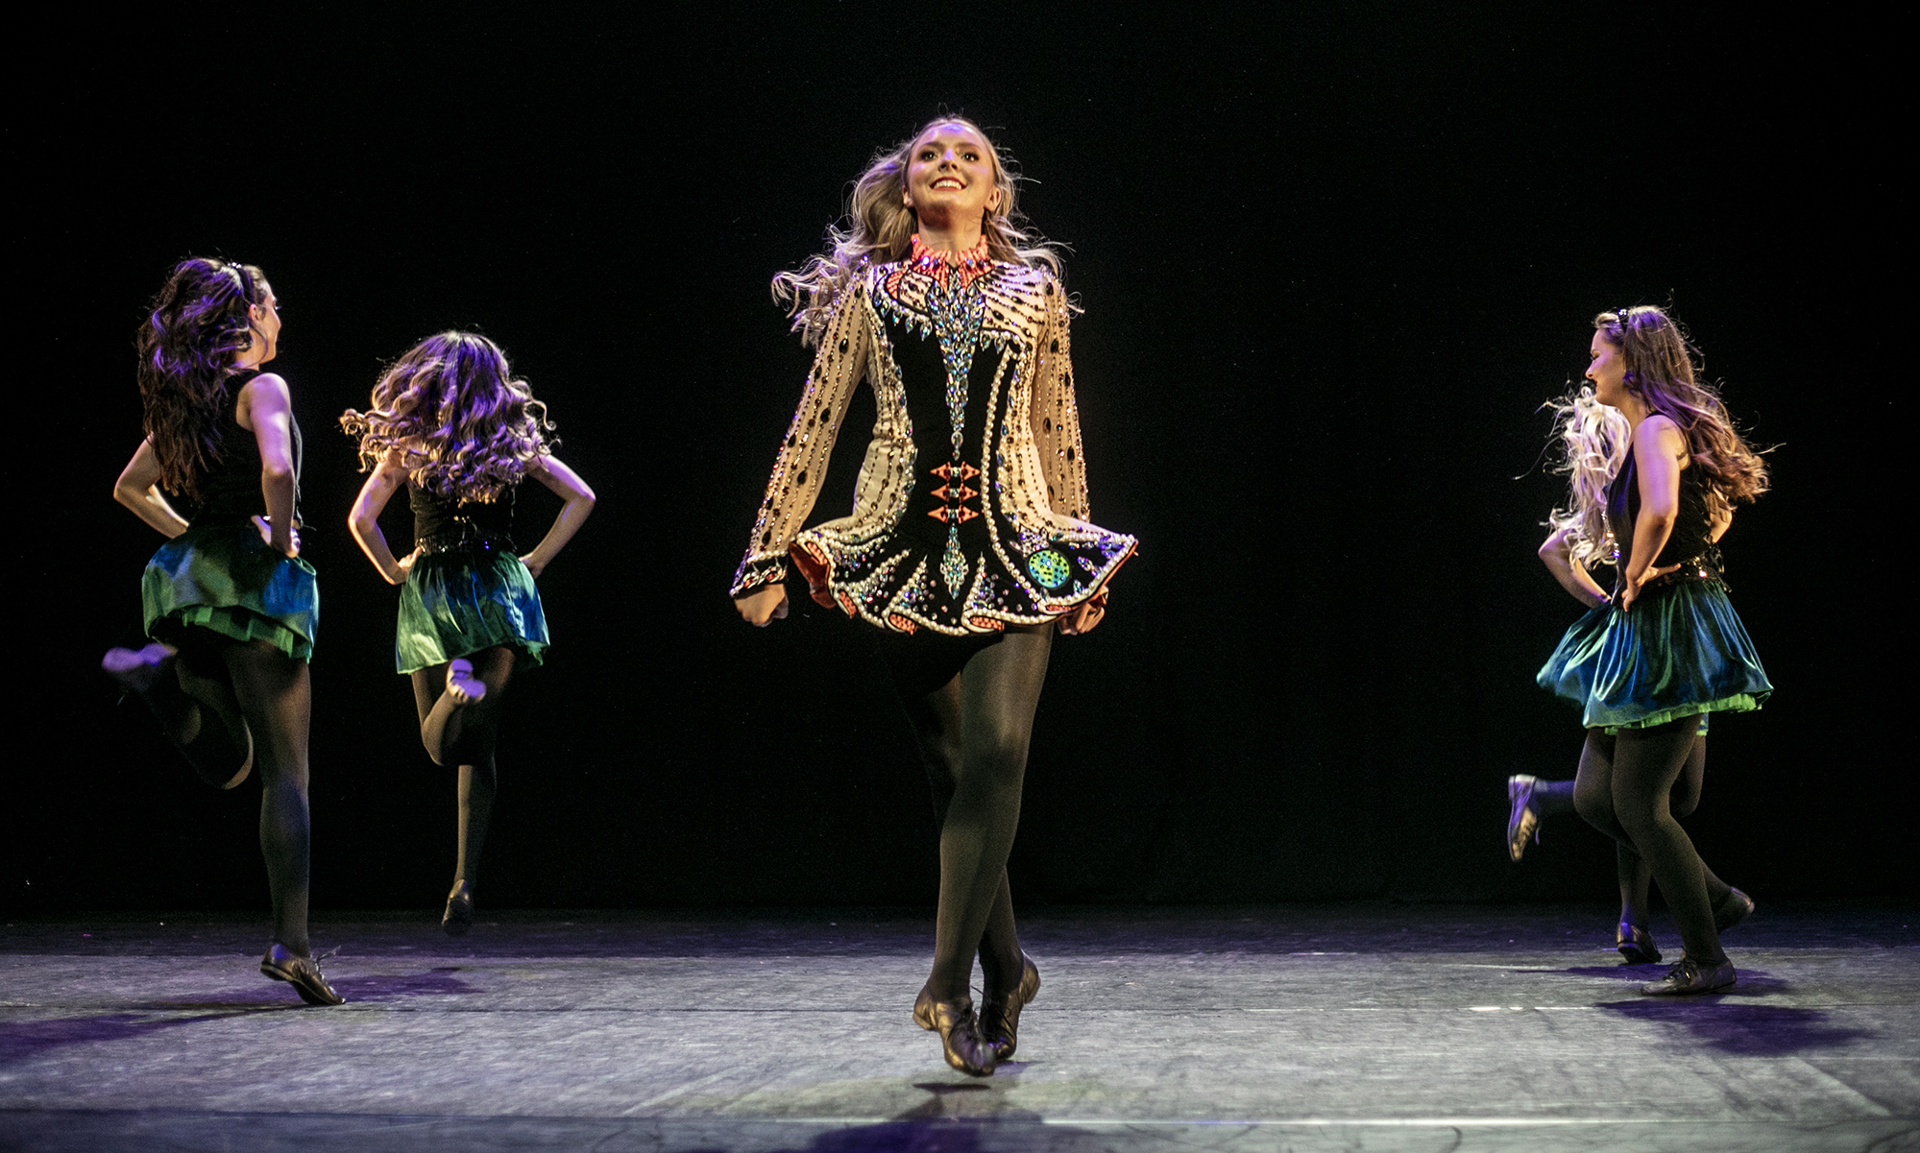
(1331, 258)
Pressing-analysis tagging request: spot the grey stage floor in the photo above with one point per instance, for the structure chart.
(1350, 1027)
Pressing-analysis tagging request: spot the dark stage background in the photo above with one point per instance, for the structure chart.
(1332, 258)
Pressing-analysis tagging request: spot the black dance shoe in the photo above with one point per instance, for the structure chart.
(1522, 822)
(1000, 1018)
(959, 1033)
(1688, 977)
(1730, 912)
(301, 973)
(1635, 944)
(459, 915)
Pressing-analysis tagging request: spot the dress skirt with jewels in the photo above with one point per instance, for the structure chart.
(969, 513)
(1680, 651)
(466, 590)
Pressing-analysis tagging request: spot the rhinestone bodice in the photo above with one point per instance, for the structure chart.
(970, 509)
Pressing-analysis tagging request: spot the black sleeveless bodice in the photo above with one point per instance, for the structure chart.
(230, 488)
(1690, 545)
(443, 524)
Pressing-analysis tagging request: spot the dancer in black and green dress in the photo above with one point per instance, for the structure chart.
(1666, 646)
(229, 604)
(450, 423)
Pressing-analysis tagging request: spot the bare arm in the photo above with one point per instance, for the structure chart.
(266, 410)
(139, 489)
(1557, 555)
(364, 521)
(567, 485)
(1658, 447)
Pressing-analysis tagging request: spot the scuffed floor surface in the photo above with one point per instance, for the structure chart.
(1322, 1027)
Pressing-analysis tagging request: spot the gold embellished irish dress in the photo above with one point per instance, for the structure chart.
(969, 515)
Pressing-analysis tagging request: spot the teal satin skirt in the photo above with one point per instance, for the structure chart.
(1681, 651)
(223, 577)
(455, 604)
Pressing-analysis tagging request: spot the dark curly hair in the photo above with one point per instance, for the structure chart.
(195, 326)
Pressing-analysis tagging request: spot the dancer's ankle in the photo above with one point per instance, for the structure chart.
(1001, 974)
(946, 992)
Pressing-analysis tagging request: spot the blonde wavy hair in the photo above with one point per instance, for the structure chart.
(1593, 442)
(1661, 372)
(469, 430)
(880, 228)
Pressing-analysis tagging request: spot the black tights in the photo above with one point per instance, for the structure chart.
(464, 735)
(1623, 789)
(249, 687)
(1635, 875)
(971, 702)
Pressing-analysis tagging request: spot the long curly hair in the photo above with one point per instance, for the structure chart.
(880, 227)
(1593, 440)
(1661, 371)
(469, 430)
(196, 325)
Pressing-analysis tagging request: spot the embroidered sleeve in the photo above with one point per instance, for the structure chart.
(1056, 419)
(801, 465)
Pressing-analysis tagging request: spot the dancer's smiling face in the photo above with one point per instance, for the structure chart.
(1608, 371)
(950, 174)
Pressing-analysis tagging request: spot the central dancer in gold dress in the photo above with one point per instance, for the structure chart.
(968, 542)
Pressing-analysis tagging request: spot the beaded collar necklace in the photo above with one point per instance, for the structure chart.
(946, 267)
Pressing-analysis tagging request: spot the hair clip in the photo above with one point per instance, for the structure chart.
(246, 282)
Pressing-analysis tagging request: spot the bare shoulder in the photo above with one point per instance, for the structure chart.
(1660, 433)
(266, 383)
(398, 462)
(266, 392)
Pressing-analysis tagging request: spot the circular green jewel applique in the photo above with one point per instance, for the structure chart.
(1049, 568)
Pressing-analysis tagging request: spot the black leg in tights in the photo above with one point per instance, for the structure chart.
(971, 703)
(192, 698)
(1623, 789)
(1635, 875)
(220, 692)
(276, 698)
(1551, 798)
(464, 735)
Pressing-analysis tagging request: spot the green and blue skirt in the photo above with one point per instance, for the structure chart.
(224, 578)
(457, 603)
(1682, 651)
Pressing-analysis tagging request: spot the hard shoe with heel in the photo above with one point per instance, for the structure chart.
(1689, 977)
(959, 1031)
(459, 915)
(300, 972)
(1000, 1016)
(1523, 823)
(1635, 944)
(1735, 908)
